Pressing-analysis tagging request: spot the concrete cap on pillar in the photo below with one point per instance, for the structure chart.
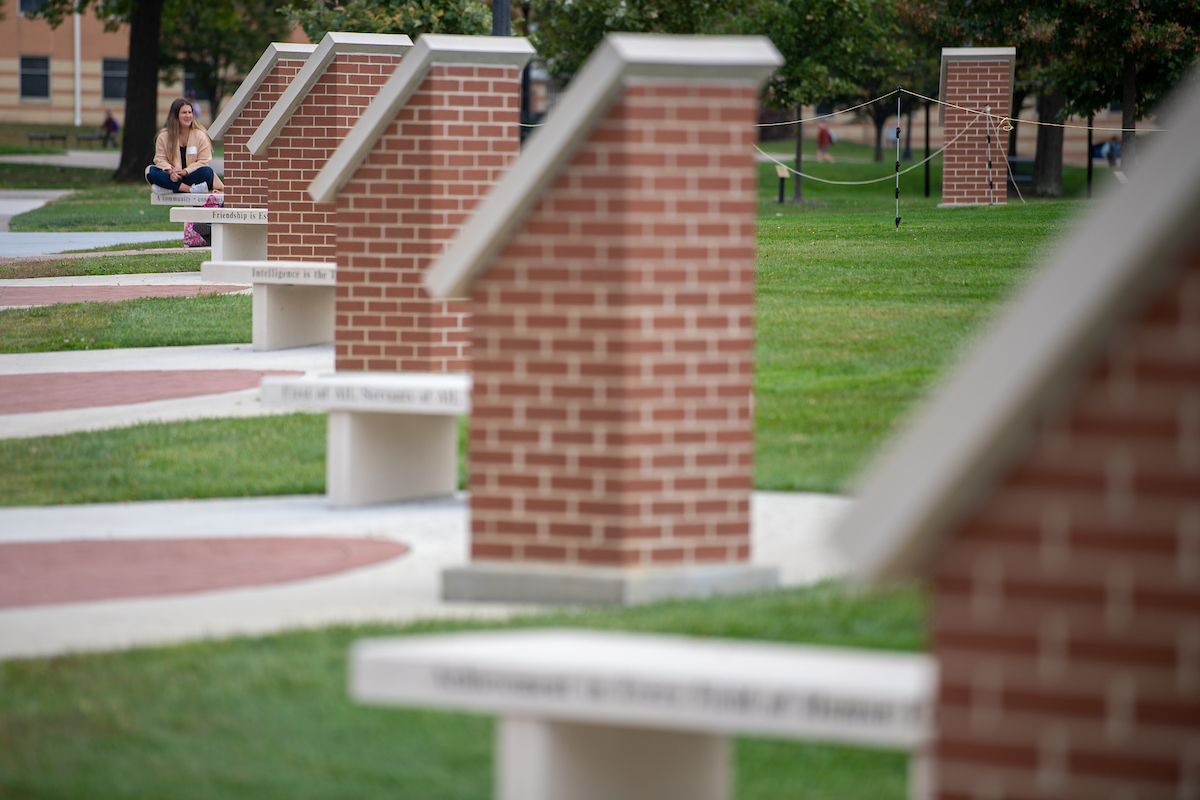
(275, 52)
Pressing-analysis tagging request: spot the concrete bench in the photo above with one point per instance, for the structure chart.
(293, 300)
(587, 715)
(392, 436)
(238, 234)
(186, 199)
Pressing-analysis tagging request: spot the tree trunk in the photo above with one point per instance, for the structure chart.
(1047, 164)
(797, 191)
(1128, 112)
(141, 96)
(879, 123)
(1018, 103)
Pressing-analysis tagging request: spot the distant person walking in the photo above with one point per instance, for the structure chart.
(181, 154)
(108, 129)
(825, 140)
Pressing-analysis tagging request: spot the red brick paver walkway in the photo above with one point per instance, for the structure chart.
(40, 573)
(58, 391)
(11, 296)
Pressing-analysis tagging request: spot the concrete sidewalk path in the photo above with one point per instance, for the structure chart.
(96, 159)
(120, 387)
(789, 531)
(15, 245)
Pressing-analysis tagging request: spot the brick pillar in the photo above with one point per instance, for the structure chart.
(245, 175)
(977, 78)
(612, 425)
(452, 139)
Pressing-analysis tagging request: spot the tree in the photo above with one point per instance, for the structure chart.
(567, 31)
(1131, 52)
(830, 49)
(412, 17)
(218, 40)
(141, 93)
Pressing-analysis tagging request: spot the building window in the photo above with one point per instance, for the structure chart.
(116, 75)
(28, 6)
(190, 85)
(35, 76)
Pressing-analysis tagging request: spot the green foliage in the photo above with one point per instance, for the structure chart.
(565, 32)
(162, 461)
(218, 40)
(270, 717)
(412, 17)
(1082, 44)
(104, 265)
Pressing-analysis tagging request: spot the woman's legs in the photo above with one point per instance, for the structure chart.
(201, 175)
(160, 177)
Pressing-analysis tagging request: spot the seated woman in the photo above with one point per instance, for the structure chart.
(181, 155)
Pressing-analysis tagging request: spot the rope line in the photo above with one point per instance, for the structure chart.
(831, 114)
(930, 157)
(1008, 120)
(1011, 176)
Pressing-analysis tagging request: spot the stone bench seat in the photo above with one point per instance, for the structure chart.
(238, 234)
(598, 714)
(392, 436)
(293, 300)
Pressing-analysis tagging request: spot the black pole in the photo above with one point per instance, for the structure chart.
(927, 105)
(782, 188)
(1091, 119)
(908, 136)
(501, 17)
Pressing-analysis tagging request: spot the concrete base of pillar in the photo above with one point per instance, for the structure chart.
(553, 584)
(389, 458)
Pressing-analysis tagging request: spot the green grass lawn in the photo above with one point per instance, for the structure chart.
(145, 322)
(105, 265)
(270, 717)
(105, 207)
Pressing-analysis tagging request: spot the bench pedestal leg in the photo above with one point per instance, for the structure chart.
(292, 316)
(386, 458)
(544, 760)
(239, 242)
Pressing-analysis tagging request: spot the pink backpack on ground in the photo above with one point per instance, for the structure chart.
(199, 234)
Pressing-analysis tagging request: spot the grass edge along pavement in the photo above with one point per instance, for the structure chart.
(270, 716)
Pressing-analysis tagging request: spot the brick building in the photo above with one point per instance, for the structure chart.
(1050, 497)
(611, 276)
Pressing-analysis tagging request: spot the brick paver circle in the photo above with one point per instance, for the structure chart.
(41, 573)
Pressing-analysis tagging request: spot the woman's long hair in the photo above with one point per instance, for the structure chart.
(172, 126)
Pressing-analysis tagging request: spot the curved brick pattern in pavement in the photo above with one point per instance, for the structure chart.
(58, 391)
(11, 296)
(41, 573)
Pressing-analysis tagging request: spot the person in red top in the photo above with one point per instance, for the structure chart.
(824, 140)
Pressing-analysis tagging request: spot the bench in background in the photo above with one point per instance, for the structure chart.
(293, 300)
(392, 436)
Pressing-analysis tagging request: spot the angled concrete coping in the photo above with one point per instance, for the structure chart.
(331, 46)
(430, 49)
(949, 54)
(275, 52)
(621, 57)
(1033, 358)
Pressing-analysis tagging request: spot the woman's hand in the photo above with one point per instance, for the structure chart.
(176, 173)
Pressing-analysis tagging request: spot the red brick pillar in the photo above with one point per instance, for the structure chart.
(612, 430)
(306, 126)
(450, 130)
(975, 162)
(245, 176)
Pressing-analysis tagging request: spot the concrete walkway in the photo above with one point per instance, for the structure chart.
(387, 568)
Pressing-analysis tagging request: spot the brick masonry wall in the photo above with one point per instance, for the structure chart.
(1067, 607)
(613, 345)
(247, 176)
(965, 171)
(298, 228)
(454, 138)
